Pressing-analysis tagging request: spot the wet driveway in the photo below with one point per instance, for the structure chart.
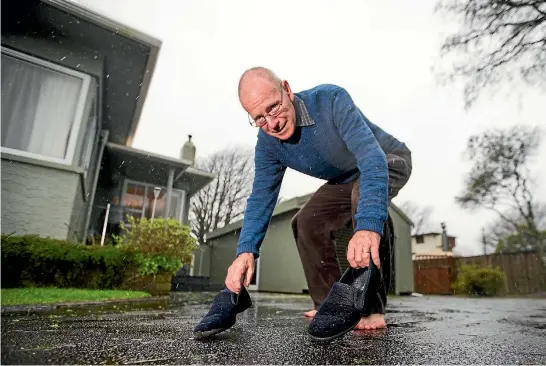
(421, 330)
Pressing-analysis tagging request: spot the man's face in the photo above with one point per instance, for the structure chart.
(270, 106)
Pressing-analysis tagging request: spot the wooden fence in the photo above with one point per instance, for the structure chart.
(525, 273)
(434, 275)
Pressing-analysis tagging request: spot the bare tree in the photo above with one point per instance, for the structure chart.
(513, 234)
(499, 39)
(420, 215)
(224, 199)
(500, 180)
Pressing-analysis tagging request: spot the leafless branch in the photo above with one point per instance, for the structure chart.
(224, 199)
(500, 182)
(420, 215)
(499, 39)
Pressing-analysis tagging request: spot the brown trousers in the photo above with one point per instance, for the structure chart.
(331, 208)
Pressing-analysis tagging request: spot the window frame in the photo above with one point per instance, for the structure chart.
(71, 155)
(91, 133)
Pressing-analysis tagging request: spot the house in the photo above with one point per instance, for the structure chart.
(279, 269)
(73, 86)
(430, 244)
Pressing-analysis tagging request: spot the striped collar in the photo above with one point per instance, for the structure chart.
(303, 118)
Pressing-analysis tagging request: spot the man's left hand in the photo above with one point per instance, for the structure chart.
(360, 246)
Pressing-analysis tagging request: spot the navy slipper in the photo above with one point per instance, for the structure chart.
(349, 299)
(223, 312)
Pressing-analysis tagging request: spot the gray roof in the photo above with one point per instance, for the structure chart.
(292, 204)
(144, 166)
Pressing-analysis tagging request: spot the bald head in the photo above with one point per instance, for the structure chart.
(257, 75)
(268, 100)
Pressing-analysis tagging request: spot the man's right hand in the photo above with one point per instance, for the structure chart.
(242, 266)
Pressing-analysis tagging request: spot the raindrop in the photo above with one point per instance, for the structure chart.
(137, 97)
(78, 65)
(63, 58)
(123, 162)
(107, 76)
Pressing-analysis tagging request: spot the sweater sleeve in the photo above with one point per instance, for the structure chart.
(268, 177)
(371, 161)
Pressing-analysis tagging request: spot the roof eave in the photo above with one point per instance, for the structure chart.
(179, 163)
(202, 175)
(104, 21)
(402, 214)
(153, 43)
(146, 80)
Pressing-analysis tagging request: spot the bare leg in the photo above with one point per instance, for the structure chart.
(313, 227)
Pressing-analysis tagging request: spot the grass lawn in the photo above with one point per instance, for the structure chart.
(25, 296)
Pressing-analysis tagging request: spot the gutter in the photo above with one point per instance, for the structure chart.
(104, 140)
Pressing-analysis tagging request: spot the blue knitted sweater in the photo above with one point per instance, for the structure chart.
(339, 145)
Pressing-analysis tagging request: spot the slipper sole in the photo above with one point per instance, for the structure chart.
(210, 333)
(331, 338)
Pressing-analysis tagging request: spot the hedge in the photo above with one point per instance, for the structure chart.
(35, 261)
(479, 280)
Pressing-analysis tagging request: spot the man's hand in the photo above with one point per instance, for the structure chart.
(360, 246)
(241, 267)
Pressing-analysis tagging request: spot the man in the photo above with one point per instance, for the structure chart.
(322, 133)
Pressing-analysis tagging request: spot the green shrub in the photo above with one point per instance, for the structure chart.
(478, 280)
(159, 245)
(145, 248)
(34, 261)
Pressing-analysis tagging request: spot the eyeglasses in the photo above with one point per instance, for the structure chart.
(275, 110)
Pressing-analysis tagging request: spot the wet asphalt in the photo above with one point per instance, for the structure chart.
(421, 330)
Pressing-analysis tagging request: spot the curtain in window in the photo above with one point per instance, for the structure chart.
(38, 107)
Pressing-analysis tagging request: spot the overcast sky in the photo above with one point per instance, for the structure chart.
(381, 52)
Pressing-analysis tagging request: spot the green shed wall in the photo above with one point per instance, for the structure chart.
(403, 275)
(280, 268)
(280, 265)
(222, 255)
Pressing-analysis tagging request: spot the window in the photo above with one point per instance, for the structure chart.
(420, 239)
(42, 107)
(133, 199)
(138, 201)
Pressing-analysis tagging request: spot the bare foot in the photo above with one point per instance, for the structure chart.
(374, 321)
(310, 314)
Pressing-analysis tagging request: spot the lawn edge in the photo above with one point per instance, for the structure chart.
(26, 308)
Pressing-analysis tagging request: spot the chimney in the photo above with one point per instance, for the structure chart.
(188, 151)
